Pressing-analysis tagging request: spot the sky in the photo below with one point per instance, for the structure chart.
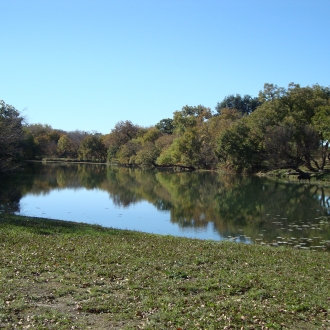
(88, 64)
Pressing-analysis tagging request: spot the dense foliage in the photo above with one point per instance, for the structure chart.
(281, 128)
(11, 137)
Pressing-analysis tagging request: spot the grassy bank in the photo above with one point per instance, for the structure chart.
(63, 275)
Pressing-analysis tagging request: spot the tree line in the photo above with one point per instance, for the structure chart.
(280, 128)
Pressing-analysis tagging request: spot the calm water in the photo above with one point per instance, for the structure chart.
(200, 205)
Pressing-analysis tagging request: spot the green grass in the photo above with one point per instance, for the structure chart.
(64, 275)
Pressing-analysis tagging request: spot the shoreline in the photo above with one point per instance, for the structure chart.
(281, 174)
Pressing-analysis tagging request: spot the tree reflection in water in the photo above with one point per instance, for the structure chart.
(233, 205)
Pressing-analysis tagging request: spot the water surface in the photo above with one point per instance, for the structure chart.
(202, 205)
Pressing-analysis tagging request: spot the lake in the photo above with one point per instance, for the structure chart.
(203, 205)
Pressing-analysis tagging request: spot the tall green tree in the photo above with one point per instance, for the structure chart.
(294, 117)
(290, 146)
(244, 104)
(208, 132)
(166, 126)
(148, 154)
(189, 117)
(239, 147)
(321, 123)
(92, 148)
(11, 137)
(185, 151)
(128, 152)
(66, 147)
(123, 132)
(45, 139)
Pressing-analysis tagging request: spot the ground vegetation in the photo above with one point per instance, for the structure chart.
(63, 275)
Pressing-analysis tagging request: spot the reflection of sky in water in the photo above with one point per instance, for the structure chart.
(324, 201)
(196, 205)
(96, 207)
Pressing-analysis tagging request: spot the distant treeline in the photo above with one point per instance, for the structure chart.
(281, 128)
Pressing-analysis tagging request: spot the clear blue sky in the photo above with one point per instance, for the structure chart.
(87, 64)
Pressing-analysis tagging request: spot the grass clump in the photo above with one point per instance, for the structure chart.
(64, 275)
